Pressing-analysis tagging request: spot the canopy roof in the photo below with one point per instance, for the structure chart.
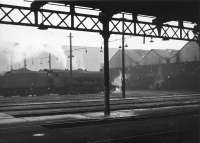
(165, 10)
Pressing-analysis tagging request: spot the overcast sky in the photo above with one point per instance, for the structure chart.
(32, 37)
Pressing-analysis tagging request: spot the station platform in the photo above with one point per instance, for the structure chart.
(7, 121)
(176, 124)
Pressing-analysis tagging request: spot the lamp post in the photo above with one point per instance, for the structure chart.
(123, 61)
(123, 58)
(123, 69)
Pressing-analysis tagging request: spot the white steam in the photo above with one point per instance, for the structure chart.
(16, 52)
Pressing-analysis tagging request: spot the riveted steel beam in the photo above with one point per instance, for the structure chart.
(9, 14)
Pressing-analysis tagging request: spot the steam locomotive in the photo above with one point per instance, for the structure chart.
(24, 82)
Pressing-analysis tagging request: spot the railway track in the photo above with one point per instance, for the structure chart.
(80, 106)
(56, 98)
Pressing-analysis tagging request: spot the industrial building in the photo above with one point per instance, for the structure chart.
(188, 53)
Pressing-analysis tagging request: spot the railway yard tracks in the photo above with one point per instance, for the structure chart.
(52, 105)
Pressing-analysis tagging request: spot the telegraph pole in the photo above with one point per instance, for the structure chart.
(11, 64)
(25, 63)
(11, 67)
(70, 56)
(123, 60)
(49, 61)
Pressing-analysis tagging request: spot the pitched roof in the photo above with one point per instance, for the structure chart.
(190, 44)
(136, 54)
(162, 55)
(166, 53)
(132, 57)
(116, 60)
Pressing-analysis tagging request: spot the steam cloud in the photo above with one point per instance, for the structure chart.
(16, 52)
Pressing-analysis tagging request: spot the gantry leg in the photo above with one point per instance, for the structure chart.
(104, 18)
(123, 62)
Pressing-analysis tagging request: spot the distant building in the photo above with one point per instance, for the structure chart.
(158, 56)
(190, 52)
(132, 58)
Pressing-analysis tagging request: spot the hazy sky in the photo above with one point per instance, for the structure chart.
(31, 40)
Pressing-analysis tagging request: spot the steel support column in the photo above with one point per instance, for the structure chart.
(104, 18)
(198, 42)
(197, 31)
(123, 60)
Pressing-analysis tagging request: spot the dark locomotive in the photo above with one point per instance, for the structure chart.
(175, 76)
(24, 82)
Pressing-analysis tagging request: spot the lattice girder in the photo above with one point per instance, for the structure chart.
(18, 15)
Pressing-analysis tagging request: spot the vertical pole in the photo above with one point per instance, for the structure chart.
(106, 78)
(198, 36)
(72, 11)
(180, 22)
(11, 64)
(134, 17)
(199, 45)
(36, 17)
(70, 56)
(104, 18)
(144, 40)
(123, 61)
(25, 64)
(49, 61)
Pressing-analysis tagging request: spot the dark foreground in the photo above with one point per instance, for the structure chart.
(164, 125)
(158, 117)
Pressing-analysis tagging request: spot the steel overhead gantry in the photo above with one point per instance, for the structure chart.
(72, 20)
(105, 24)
